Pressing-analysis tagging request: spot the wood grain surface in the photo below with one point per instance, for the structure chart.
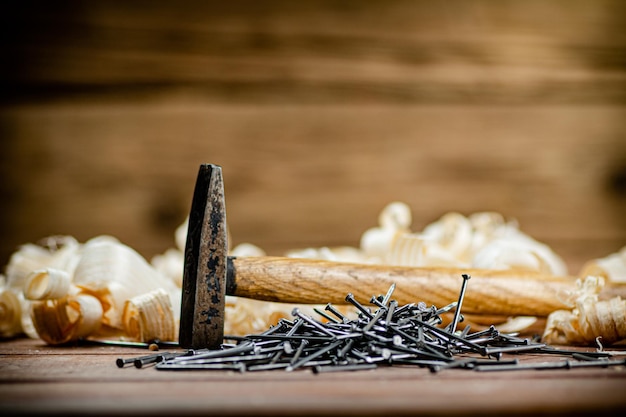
(74, 380)
(320, 114)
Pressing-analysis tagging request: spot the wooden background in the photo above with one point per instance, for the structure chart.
(320, 114)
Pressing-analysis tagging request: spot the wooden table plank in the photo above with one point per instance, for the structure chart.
(38, 379)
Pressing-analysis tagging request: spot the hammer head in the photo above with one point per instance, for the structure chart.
(205, 268)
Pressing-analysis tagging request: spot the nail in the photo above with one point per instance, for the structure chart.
(326, 316)
(433, 365)
(172, 366)
(295, 327)
(457, 312)
(240, 349)
(584, 357)
(388, 295)
(267, 367)
(374, 320)
(512, 349)
(329, 307)
(148, 359)
(551, 350)
(276, 357)
(226, 359)
(465, 331)
(448, 335)
(391, 311)
(566, 364)
(313, 355)
(447, 308)
(319, 369)
(287, 348)
(491, 331)
(309, 320)
(401, 310)
(298, 353)
(294, 337)
(361, 355)
(152, 345)
(121, 362)
(376, 302)
(273, 329)
(351, 300)
(383, 352)
(342, 352)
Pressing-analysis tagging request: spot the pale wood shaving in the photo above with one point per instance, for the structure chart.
(66, 319)
(589, 320)
(149, 316)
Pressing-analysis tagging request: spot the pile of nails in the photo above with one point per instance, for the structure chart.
(411, 335)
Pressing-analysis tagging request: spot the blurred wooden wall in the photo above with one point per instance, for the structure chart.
(320, 114)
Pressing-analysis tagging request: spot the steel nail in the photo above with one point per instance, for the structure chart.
(447, 308)
(390, 291)
(457, 312)
(121, 362)
(374, 320)
(332, 309)
(173, 366)
(319, 369)
(299, 351)
(313, 355)
(240, 349)
(393, 304)
(512, 349)
(326, 316)
(159, 357)
(350, 298)
(376, 302)
(309, 320)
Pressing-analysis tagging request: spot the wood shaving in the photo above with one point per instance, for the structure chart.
(10, 314)
(150, 316)
(66, 319)
(589, 320)
(62, 290)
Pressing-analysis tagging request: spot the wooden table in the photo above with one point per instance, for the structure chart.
(84, 380)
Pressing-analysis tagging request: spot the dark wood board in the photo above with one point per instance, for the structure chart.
(44, 380)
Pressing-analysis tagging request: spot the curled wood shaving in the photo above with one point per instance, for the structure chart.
(115, 273)
(150, 316)
(10, 314)
(47, 283)
(66, 319)
(589, 320)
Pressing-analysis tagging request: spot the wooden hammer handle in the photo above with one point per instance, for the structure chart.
(309, 281)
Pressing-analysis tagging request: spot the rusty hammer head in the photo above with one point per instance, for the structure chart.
(206, 253)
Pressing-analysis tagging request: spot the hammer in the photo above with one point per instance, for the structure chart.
(210, 274)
